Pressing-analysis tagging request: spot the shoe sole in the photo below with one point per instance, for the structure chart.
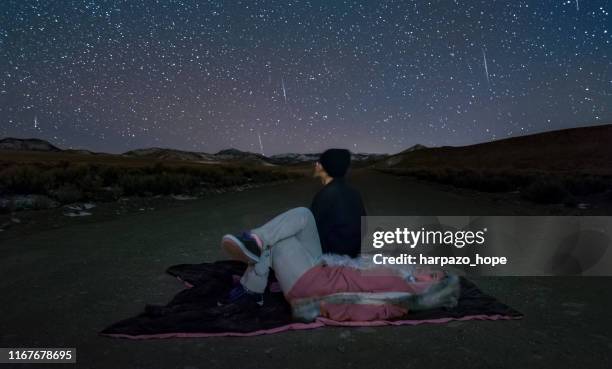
(236, 250)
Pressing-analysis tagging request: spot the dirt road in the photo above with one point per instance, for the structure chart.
(60, 287)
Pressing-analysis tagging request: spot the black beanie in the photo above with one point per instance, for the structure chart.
(335, 162)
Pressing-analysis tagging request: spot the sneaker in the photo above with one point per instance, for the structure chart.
(242, 247)
(240, 295)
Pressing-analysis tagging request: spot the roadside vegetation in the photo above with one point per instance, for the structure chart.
(569, 166)
(49, 184)
(536, 186)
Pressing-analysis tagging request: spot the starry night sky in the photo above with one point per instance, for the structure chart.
(303, 76)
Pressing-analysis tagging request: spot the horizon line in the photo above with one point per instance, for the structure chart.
(299, 153)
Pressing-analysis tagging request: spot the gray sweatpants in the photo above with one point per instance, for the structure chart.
(291, 247)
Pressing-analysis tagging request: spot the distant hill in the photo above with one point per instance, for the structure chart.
(581, 150)
(157, 153)
(235, 155)
(27, 144)
(293, 158)
(169, 154)
(242, 156)
(414, 148)
(228, 155)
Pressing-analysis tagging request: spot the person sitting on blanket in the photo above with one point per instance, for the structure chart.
(337, 209)
(293, 245)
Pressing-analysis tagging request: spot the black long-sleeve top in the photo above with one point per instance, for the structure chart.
(337, 209)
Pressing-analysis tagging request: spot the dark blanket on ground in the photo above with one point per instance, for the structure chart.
(194, 311)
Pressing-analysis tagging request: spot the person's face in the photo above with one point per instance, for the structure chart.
(318, 170)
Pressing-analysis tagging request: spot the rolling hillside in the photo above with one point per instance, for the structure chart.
(577, 150)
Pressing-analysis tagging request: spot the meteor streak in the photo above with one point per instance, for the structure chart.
(484, 58)
(260, 144)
